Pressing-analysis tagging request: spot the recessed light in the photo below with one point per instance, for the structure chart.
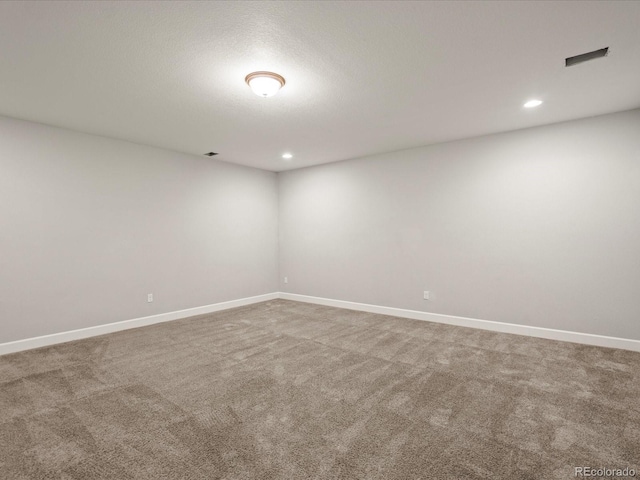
(287, 156)
(533, 103)
(211, 154)
(265, 84)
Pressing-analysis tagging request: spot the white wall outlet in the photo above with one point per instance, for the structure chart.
(426, 295)
(286, 279)
(149, 297)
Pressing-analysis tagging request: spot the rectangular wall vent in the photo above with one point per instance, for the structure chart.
(585, 57)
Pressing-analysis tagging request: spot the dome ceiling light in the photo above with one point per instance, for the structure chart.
(265, 84)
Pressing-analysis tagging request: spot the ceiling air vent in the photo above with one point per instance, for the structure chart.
(585, 57)
(210, 154)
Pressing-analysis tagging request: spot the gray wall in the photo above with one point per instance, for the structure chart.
(90, 225)
(538, 227)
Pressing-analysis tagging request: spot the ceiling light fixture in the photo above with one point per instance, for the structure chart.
(533, 103)
(265, 84)
(287, 156)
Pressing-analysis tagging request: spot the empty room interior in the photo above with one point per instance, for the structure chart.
(377, 240)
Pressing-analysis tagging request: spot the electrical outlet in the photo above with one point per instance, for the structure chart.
(149, 297)
(286, 279)
(426, 295)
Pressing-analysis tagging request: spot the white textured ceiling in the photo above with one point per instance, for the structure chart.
(362, 77)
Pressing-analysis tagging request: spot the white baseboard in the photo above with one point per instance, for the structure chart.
(549, 333)
(46, 340)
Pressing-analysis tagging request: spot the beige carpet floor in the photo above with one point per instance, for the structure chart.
(286, 390)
